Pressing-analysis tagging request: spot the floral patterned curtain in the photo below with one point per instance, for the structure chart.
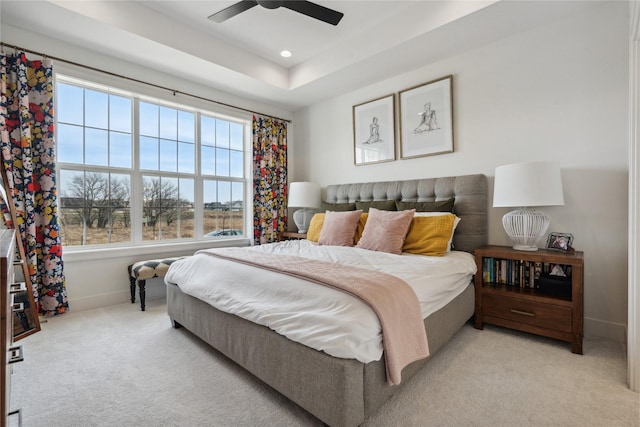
(269, 179)
(28, 154)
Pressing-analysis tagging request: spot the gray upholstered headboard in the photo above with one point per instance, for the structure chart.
(470, 193)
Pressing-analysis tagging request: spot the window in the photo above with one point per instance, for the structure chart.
(135, 170)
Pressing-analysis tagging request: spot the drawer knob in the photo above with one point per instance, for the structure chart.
(524, 313)
(15, 354)
(14, 288)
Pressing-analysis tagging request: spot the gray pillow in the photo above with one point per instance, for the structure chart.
(338, 207)
(383, 205)
(439, 206)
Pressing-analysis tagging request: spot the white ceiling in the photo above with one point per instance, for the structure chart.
(375, 40)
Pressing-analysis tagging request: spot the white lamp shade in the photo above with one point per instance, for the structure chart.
(528, 184)
(304, 195)
(525, 185)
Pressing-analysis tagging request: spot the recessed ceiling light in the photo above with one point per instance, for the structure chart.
(285, 54)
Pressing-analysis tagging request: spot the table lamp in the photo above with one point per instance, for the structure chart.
(524, 185)
(305, 195)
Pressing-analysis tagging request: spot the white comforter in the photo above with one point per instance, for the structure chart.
(312, 314)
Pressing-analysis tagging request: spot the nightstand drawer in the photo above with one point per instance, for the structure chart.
(532, 313)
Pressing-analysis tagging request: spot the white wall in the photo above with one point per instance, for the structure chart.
(557, 92)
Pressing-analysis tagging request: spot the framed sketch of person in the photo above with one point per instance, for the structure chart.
(374, 132)
(426, 119)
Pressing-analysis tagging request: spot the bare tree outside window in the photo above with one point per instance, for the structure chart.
(95, 205)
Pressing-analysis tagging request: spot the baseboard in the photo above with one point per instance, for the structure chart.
(600, 328)
(155, 289)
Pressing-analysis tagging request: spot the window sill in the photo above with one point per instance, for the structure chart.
(141, 251)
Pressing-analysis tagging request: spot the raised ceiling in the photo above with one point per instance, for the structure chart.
(375, 40)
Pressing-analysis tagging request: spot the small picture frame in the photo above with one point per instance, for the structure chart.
(560, 242)
(426, 119)
(374, 132)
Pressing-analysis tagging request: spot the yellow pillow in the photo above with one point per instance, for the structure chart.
(360, 227)
(315, 226)
(429, 235)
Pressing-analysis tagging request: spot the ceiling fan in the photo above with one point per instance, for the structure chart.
(308, 8)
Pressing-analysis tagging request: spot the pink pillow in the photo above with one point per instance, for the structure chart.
(339, 228)
(385, 230)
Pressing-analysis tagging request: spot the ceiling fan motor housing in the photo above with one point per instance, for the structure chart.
(270, 4)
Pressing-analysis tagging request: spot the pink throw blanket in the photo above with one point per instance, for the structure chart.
(403, 335)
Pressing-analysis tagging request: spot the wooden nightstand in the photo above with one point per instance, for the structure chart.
(292, 235)
(509, 294)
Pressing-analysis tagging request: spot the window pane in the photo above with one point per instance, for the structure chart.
(186, 158)
(71, 205)
(70, 146)
(148, 119)
(94, 207)
(120, 149)
(160, 208)
(168, 123)
(236, 135)
(208, 130)
(97, 147)
(120, 219)
(120, 190)
(207, 160)
(236, 165)
(211, 206)
(96, 109)
(151, 207)
(120, 113)
(168, 155)
(186, 212)
(222, 133)
(237, 206)
(70, 104)
(149, 148)
(222, 162)
(186, 126)
(169, 219)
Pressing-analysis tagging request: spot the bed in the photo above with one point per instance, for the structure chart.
(342, 391)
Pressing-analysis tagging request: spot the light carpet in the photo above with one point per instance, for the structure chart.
(118, 366)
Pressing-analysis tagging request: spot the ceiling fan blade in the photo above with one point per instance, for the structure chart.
(314, 10)
(232, 10)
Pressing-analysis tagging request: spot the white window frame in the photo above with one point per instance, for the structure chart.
(119, 86)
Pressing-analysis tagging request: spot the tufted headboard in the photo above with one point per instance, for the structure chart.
(470, 193)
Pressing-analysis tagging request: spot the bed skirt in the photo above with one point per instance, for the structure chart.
(340, 392)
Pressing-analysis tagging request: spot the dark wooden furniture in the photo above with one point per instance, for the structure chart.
(289, 235)
(9, 353)
(527, 308)
(25, 321)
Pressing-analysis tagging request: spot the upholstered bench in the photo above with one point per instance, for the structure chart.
(143, 270)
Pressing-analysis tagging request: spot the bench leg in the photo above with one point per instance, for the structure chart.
(132, 285)
(142, 284)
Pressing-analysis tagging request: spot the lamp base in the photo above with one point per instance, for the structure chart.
(302, 218)
(525, 227)
(525, 248)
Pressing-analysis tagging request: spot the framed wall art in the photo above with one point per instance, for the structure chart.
(374, 134)
(426, 119)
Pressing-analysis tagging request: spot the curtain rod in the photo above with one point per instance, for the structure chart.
(174, 91)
